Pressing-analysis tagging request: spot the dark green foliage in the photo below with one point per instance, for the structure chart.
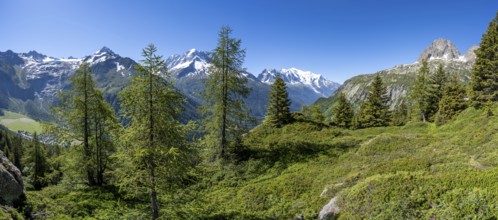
(312, 113)
(36, 163)
(316, 114)
(420, 94)
(400, 115)
(278, 112)
(226, 116)
(12, 145)
(484, 86)
(437, 82)
(85, 118)
(374, 111)
(452, 103)
(343, 112)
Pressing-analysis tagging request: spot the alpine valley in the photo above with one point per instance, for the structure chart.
(29, 82)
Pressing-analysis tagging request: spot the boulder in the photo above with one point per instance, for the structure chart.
(11, 185)
(330, 210)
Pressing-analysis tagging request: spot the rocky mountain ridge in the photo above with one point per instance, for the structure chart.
(32, 80)
(400, 78)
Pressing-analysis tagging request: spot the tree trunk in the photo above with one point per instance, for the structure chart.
(153, 193)
(224, 104)
(86, 134)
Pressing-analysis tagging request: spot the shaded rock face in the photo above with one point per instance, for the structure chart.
(440, 49)
(11, 185)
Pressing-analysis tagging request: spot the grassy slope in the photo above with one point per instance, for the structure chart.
(15, 122)
(418, 171)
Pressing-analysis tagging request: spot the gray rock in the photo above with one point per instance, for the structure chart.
(330, 210)
(470, 55)
(11, 185)
(440, 49)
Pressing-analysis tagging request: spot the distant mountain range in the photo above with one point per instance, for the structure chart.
(29, 82)
(400, 79)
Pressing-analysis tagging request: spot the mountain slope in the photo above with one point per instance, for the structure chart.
(400, 79)
(30, 81)
(305, 171)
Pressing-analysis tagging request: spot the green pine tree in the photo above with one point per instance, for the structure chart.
(484, 83)
(437, 82)
(420, 94)
(226, 116)
(452, 102)
(316, 114)
(278, 113)
(36, 163)
(374, 112)
(343, 112)
(400, 115)
(154, 153)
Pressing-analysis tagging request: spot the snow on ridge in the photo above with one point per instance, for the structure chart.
(296, 77)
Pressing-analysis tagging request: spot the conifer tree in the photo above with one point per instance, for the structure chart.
(226, 115)
(400, 115)
(316, 114)
(36, 163)
(437, 82)
(155, 152)
(452, 102)
(484, 83)
(278, 112)
(84, 116)
(343, 112)
(421, 94)
(374, 111)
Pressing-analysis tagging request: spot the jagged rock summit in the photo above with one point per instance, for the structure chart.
(440, 49)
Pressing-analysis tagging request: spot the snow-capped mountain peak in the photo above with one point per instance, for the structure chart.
(191, 63)
(35, 55)
(296, 77)
(101, 55)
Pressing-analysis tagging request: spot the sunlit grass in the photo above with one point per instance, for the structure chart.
(19, 122)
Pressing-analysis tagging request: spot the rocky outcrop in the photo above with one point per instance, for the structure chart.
(330, 210)
(11, 185)
(440, 49)
(470, 56)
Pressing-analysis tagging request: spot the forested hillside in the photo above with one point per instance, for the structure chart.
(433, 156)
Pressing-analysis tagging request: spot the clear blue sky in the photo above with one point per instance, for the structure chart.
(335, 38)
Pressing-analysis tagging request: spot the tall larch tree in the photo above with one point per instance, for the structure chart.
(278, 113)
(343, 112)
(226, 116)
(484, 83)
(82, 117)
(154, 150)
(374, 111)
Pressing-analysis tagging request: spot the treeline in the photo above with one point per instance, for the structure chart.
(436, 97)
(144, 150)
